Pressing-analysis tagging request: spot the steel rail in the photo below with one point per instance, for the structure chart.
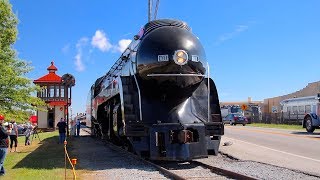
(224, 172)
(164, 171)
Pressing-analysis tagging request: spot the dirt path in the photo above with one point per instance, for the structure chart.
(97, 161)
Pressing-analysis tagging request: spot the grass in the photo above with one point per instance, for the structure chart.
(40, 160)
(278, 126)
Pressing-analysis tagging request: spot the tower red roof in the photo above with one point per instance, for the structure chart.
(51, 77)
(52, 68)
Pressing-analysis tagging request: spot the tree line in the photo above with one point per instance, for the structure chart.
(17, 92)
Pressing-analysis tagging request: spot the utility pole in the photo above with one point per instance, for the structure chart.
(71, 112)
(149, 10)
(156, 10)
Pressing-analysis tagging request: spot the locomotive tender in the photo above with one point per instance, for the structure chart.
(157, 99)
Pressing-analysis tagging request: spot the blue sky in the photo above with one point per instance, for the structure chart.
(257, 49)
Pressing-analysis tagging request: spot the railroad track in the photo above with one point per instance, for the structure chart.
(185, 170)
(199, 170)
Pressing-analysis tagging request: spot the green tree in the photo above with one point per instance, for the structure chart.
(16, 90)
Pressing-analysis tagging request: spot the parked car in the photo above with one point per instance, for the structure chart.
(21, 127)
(234, 119)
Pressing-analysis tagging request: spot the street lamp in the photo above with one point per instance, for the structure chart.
(68, 81)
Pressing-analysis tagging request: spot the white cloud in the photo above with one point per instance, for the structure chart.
(227, 36)
(78, 62)
(127, 34)
(66, 49)
(100, 41)
(122, 45)
(241, 28)
(78, 58)
(82, 42)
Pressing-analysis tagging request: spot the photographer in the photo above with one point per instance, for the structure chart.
(28, 133)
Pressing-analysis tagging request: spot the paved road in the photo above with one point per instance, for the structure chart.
(291, 149)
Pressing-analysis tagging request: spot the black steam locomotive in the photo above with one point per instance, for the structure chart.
(157, 100)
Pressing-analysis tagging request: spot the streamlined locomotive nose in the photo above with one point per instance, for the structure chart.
(172, 57)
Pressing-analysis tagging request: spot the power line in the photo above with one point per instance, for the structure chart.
(156, 10)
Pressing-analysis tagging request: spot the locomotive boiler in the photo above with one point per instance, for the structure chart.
(158, 100)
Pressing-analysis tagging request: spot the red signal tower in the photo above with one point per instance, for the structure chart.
(56, 92)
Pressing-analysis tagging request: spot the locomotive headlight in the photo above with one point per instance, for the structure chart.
(180, 57)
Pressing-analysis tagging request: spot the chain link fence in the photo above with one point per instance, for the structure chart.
(278, 118)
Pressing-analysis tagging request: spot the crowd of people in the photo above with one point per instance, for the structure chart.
(9, 138)
(9, 133)
(62, 127)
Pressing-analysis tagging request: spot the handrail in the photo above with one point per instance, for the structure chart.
(208, 91)
(198, 75)
(117, 66)
(135, 79)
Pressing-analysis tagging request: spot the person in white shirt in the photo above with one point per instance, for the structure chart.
(14, 135)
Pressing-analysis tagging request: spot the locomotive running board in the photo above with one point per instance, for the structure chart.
(136, 130)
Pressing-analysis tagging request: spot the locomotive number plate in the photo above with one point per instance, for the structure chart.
(163, 57)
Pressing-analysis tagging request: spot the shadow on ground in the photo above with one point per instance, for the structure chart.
(94, 154)
(306, 133)
(176, 165)
(91, 154)
(310, 135)
(48, 155)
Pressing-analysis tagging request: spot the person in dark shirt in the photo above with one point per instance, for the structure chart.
(78, 124)
(62, 125)
(4, 142)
